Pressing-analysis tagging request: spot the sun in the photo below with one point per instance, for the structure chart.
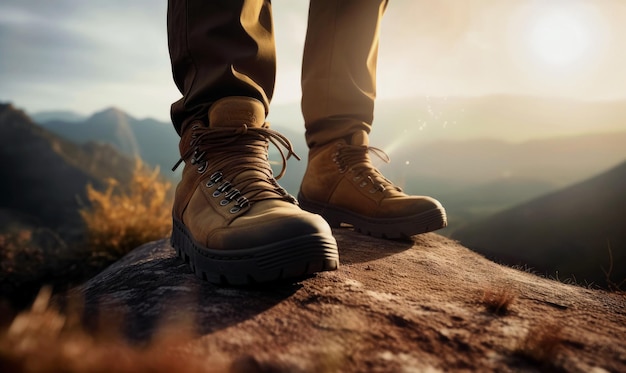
(559, 38)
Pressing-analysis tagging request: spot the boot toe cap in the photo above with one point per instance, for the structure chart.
(269, 225)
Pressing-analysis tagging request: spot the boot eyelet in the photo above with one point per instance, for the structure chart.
(216, 177)
(373, 190)
(217, 193)
(209, 184)
(242, 202)
(224, 202)
(235, 210)
(225, 187)
(363, 184)
(202, 169)
(357, 178)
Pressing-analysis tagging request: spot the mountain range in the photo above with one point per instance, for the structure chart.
(44, 176)
(561, 145)
(153, 141)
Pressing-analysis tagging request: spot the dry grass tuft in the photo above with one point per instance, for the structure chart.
(612, 285)
(498, 300)
(43, 340)
(542, 343)
(124, 217)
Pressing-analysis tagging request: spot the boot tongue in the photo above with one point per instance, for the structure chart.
(359, 138)
(235, 111)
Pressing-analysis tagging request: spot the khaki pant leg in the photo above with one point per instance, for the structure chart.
(339, 68)
(219, 48)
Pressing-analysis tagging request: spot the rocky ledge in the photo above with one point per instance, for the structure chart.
(424, 305)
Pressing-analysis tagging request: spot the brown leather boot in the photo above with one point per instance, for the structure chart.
(341, 184)
(233, 223)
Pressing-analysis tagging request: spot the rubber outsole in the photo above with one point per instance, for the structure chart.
(296, 257)
(391, 228)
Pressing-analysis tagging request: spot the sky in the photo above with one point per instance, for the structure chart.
(85, 56)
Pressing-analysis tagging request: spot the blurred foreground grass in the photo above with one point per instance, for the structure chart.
(42, 339)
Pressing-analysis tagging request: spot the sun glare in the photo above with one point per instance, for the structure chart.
(559, 38)
(561, 47)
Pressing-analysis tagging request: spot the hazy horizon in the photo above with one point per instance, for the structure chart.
(277, 106)
(422, 120)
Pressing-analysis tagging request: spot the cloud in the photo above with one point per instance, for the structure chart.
(65, 47)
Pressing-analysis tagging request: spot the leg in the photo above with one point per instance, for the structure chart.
(219, 48)
(339, 88)
(339, 67)
(232, 222)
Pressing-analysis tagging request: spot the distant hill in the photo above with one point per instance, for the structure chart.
(567, 232)
(476, 178)
(44, 176)
(559, 160)
(153, 141)
(475, 202)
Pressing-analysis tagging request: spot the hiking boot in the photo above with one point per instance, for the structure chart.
(232, 222)
(341, 184)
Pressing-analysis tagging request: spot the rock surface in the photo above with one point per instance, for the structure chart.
(425, 305)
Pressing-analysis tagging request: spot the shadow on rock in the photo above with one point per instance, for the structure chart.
(151, 288)
(359, 248)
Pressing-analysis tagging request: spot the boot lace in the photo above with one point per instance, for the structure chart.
(356, 160)
(239, 164)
